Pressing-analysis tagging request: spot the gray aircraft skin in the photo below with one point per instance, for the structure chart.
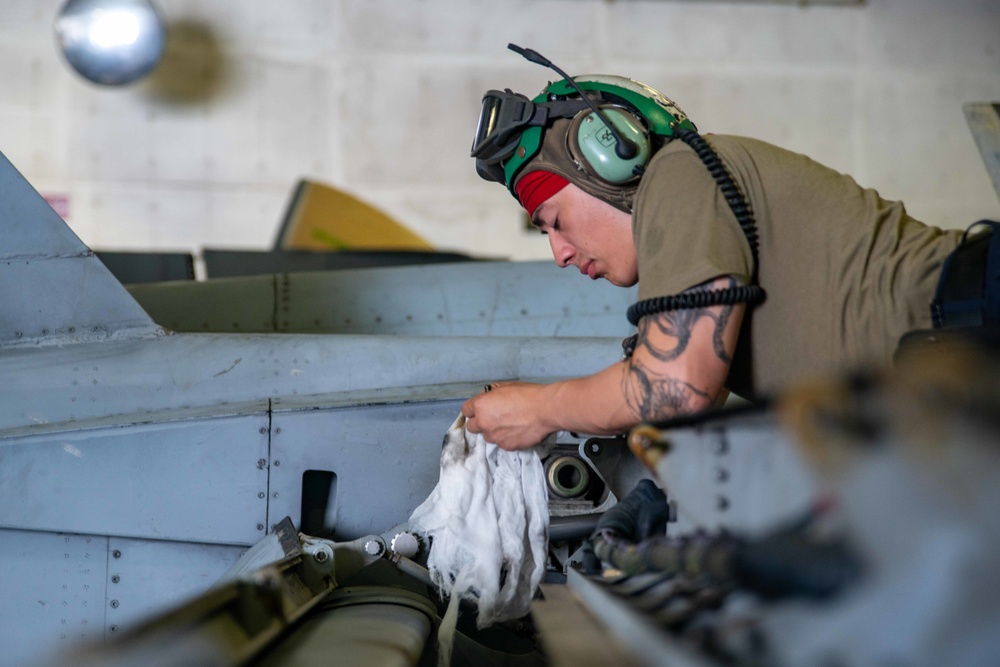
(138, 464)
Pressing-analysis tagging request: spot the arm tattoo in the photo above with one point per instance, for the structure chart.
(653, 396)
(677, 324)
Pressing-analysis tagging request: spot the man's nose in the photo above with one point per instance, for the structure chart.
(562, 251)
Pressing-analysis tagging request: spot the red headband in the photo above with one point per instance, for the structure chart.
(537, 186)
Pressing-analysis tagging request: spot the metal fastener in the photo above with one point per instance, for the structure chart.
(374, 548)
(405, 544)
(116, 553)
(115, 579)
(277, 463)
(114, 604)
(722, 503)
(113, 628)
(262, 430)
(260, 526)
(260, 495)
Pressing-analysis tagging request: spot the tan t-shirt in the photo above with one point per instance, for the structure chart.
(846, 273)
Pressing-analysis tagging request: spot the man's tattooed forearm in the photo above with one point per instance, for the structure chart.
(678, 324)
(653, 398)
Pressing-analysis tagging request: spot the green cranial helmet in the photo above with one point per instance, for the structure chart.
(615, 124)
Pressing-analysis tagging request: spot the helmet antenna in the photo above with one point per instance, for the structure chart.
(624, 148)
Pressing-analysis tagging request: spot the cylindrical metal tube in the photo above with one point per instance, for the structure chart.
(375, 634)
(574, 527)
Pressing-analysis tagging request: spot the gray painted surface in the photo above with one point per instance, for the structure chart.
(147, 577)
(192, 480)
(386, 459)
(170, 449)
(53, 592)
(984, 121)
(54, 288)
(461, 299)
(61, 590)
(744, 473)
(131, 381)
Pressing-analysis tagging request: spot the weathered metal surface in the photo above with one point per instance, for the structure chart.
(461, 299)
(199, 480)
(144, 377)
(53, 287)
(148, 577)
(385, 459)
(53, 592)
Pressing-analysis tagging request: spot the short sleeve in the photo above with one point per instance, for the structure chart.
(684, 231)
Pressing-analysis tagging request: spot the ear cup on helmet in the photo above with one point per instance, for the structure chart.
(592, 145)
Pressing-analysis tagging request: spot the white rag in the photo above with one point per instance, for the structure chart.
(488, 520)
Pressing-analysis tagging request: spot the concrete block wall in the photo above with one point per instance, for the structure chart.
(381, 97)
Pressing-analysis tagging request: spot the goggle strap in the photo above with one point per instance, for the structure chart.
(564, 108)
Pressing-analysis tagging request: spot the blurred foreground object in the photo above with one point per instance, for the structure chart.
(110, 42)
(850, 523)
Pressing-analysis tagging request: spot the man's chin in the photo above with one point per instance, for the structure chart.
(618, 282)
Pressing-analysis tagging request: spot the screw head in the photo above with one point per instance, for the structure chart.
(115, 579)
(114, 604)
(260, 495)
(722, 503)
(260, 526)
(262, 430)
(405, 544)
(116, 553)
(374, 548)
(277, 463)
(113, 628)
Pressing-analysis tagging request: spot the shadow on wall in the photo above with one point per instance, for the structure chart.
(193, 67)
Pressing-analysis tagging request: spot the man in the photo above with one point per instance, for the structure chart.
(845, 272)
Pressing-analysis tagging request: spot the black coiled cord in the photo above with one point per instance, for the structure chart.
(720, 297)
(744, 216)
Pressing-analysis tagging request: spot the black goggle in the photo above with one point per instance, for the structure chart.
(505, 115)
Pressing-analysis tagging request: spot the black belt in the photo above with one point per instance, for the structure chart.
(968, 291)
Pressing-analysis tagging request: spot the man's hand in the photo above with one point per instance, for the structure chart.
(510, 415)
(679, 366)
